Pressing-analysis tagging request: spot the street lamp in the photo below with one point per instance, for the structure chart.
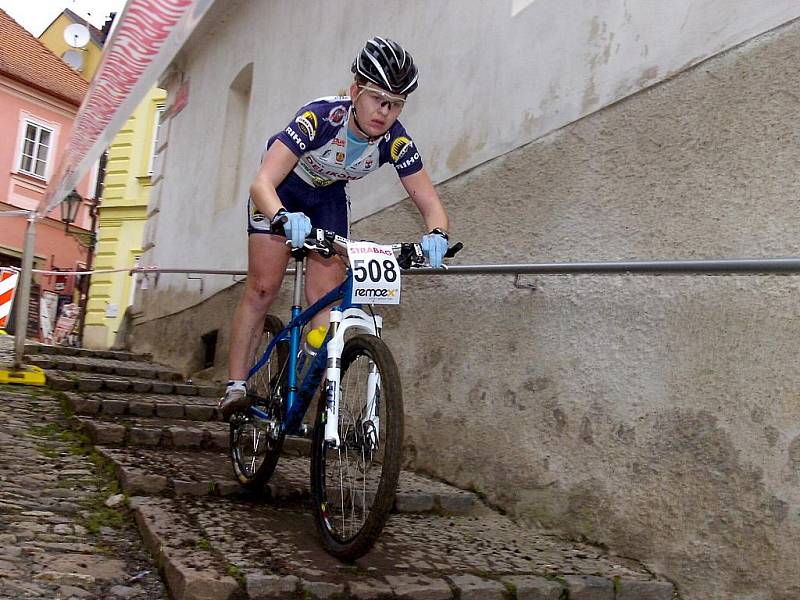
(88, 239)
(69, 212)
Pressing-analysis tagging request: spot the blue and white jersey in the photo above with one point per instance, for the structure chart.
(318, 136)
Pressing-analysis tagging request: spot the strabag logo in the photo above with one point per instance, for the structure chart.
(307, 122)
(399, 147)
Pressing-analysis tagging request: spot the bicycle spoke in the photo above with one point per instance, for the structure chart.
(255, 443)
(355, 483)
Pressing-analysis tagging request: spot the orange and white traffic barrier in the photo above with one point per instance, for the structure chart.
(8, 285)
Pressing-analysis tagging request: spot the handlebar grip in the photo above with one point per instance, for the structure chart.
(453, 250)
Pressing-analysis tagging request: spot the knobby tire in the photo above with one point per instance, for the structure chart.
(348, 515)
(254, 448)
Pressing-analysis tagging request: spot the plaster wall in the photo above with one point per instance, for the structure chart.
(494, 76)
(656, 415)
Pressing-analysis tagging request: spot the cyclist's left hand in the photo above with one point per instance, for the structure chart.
(434, 245)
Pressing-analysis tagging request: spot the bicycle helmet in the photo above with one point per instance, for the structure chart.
(384, 62)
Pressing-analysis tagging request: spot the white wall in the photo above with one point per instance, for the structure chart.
(494, 75)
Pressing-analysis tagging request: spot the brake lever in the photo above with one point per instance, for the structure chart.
(410, 256)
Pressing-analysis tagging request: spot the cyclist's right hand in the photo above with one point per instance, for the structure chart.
(296, 226)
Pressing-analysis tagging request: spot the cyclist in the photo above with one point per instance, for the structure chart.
(302, 181)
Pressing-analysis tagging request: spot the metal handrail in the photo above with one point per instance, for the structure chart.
(728, 266)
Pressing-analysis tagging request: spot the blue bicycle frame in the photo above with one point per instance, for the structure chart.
(299, 397)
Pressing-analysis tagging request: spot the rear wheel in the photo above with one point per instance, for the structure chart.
(354, 486)
(256, 442)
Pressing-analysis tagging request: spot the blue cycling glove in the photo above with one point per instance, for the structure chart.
(434, 245)
(296, 226)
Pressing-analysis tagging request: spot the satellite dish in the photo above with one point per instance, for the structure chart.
(76, 35)
(74, 58)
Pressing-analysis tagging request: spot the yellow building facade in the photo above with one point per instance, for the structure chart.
(53, 39)
(123, 207)
(123, 214)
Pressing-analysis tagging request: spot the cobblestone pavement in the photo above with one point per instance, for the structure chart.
(57, 537)
(163, 441)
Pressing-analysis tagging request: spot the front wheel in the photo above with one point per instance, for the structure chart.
(256, 442)
(353, 486)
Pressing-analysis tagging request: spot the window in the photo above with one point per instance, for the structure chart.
(35, 149)
(156, 131)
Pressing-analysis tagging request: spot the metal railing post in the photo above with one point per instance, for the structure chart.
(24, 294)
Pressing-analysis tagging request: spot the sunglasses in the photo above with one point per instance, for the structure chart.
(383, 99)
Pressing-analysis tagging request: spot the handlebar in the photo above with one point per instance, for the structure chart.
(328, 243)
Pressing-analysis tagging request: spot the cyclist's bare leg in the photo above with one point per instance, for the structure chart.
(267, 256)
(322, 275)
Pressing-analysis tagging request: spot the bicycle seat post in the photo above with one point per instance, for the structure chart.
(297, 298)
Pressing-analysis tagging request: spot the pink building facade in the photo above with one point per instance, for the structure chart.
(39, 99)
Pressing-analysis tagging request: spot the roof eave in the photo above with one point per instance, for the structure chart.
(43, 89)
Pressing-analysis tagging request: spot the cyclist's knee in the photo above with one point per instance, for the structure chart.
(261, 291)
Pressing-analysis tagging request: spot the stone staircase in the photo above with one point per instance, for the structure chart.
(214, 539)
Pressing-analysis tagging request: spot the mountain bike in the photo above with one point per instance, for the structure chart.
(357, 436)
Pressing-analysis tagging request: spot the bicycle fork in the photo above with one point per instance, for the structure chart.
(333, 373)
(340, 322)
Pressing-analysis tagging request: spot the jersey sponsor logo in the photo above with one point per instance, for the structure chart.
(328, 171)
(368, 163)
(337, 115)
(307, 122)
(316, 180)
(407, 163)
(295, 138)
(256, 215)
(338, 142)
(331, 99)
(399, 147)
(340, 157)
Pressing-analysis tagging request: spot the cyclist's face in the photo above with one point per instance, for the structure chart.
(377, 109)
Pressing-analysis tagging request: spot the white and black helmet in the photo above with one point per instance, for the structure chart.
(385, 63)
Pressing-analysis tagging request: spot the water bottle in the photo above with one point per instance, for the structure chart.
(314, 339)
(313, 343)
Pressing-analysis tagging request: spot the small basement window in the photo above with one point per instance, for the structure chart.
(209, 341)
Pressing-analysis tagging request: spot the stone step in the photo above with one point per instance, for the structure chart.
(36, 348)
(139, 369)
(204, 472)
(168, 433)
(95, 382)
(165, 406)
(154, 432)
(212, 548)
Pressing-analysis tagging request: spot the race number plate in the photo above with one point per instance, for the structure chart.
(376, 274)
